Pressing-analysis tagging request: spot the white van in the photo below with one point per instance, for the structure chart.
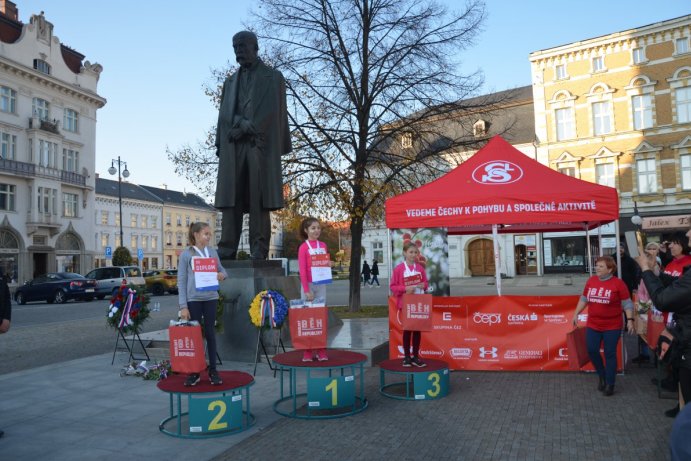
(110, 278)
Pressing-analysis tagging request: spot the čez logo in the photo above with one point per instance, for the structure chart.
(497, 172)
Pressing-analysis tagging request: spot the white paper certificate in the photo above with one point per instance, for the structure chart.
(205, 273)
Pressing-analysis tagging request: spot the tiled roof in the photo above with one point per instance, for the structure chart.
(173, 197)
(131, 191)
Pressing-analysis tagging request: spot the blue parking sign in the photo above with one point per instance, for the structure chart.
(140, 253)
(109, 252)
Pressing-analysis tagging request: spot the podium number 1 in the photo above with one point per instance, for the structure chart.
(215, 425)
(333, 387)
(434, 377)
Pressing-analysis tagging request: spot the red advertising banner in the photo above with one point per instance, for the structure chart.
(495, 332)
(308, 327)
(416, 312)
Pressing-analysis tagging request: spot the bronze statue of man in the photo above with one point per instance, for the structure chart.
(251, 136)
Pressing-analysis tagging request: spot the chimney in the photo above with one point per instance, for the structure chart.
(9, 9)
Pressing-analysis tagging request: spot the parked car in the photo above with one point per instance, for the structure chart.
(56, 287)
(160, 281)
(110, 278)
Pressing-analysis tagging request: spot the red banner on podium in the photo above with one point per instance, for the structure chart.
(495, 332)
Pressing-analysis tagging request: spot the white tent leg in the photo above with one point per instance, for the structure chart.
(590, 256)
(497, 267)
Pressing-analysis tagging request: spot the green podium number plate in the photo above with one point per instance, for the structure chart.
(215, 414)
(332, 392)
(432, 385)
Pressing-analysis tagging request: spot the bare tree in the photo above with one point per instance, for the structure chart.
(375, 97)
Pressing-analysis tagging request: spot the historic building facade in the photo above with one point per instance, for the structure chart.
(616, 110)
(48, 108)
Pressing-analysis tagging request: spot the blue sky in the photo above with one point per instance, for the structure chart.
(157, 55)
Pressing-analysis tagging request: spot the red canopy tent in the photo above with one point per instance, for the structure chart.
(500, 189)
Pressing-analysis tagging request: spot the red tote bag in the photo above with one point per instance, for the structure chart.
(656, 324)
(578, 351)
(186, 349)
(416, 312)
(308, 327)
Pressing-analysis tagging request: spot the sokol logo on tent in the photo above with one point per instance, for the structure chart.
(497, 172)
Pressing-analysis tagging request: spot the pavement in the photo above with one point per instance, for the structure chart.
(84, 409)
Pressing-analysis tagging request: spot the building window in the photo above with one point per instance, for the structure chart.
(133, 220)
(642, 111)
(685, 161)
(117, 219)
(8, 99)
(7, 195)
(70, 160)
(154, 242)
(145, 242)
(407, 140)
(70, 205)
(187, 221)
(104, 240)
(638, 55)
(47, 154)
(568, 171)
(8, 146)
(565, 124)
(178, 220)
(683, 103)
(145, 221)
(560, 71)
(40, 108)
(682, 45)
(602, 118)
(42, 66)
(154, 222)
(118, 243)
(104, 218)
(167, 219)
(647, 176)
(378, 252)
(133, 243)
(169, 239)
(70, 121)
(604, 174)
(599, 64)
(47, 200)
(154, 263)
(178, 238)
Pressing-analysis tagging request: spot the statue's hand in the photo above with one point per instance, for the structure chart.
(235, 134)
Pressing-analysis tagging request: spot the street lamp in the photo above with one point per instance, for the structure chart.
(125, 173)
(636, 219)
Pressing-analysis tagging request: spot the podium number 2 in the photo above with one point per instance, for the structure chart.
(333, 387)
(215, 425)
(434, 377)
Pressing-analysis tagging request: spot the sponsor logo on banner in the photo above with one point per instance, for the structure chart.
(431, 353)
(521, 319)
(488, 353)
(522, 354)
(447, 317)
(486, 318)
(562, 354)
(497, 172)
(555, 318)
(461, 352)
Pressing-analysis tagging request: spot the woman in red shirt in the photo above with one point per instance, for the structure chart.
(605, 295)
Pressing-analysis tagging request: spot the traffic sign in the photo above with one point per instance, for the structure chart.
(109, 252)
(140, 253)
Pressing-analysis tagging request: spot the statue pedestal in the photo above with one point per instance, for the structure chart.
(238, 342)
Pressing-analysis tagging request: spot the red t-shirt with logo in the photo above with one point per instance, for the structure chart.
(604, 302)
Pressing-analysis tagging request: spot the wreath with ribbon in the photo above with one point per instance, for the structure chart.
(128, 309)
(268, 309)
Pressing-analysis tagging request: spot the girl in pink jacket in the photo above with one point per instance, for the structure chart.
(409, 277)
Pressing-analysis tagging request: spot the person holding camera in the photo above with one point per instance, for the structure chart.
(674, 297)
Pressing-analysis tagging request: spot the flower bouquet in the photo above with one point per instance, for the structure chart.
(128, 309)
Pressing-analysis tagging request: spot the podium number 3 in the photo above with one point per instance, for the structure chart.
(215, 425)
(333, 387)
(434, 377)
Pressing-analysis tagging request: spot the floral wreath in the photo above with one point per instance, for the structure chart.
(268, 308)
(127, 310)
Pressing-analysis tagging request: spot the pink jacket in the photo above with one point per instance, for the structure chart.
(305, 262)
(397, 284)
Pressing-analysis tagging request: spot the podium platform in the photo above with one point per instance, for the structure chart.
(212, 411)
(330, 389)
(426, 383)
